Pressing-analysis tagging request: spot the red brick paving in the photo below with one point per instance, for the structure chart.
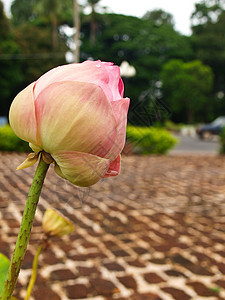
(156, 232)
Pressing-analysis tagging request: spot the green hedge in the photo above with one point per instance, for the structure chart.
(222, 141)
(150, 140)
(171, 126)
(10, 142)
(145, 140)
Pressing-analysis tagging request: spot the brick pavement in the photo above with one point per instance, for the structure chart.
(156, 232)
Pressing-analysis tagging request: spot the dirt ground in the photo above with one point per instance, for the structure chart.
(155, 232)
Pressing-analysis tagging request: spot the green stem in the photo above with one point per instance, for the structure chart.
(24, 232)
(34, 272)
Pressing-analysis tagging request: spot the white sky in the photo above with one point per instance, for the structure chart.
(180, 9)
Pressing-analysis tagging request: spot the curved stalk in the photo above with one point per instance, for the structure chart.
(34, 272)
(24, 232)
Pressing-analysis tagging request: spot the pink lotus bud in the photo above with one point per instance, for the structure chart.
(78, 115)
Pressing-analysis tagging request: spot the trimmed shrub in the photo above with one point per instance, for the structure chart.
(10, 142)
(150, 140)
(171, 126)
(222, 141)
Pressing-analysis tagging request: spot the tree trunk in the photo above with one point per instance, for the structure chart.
(93, 25)
(55, 41)
(190, 116)
(77, 32)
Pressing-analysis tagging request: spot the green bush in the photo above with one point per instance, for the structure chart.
(147, 140)
(171, 126)
(222, 141)
(10, 142)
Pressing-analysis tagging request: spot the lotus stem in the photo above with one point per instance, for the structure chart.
(25, 229)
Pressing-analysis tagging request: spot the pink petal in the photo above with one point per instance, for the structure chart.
(104, 75)
(115, 82)
(75, 116)
(114, 167)
(120, 109)
(121, 87)
(79, 168)
(22, 115)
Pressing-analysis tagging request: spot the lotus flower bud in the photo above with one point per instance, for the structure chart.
(76, 114)
(54, 224)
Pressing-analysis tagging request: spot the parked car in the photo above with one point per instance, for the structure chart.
(210, 129)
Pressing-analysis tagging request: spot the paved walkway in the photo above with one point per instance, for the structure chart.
(156, 232)
(194, 145)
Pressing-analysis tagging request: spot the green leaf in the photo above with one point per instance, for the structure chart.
(4, 265)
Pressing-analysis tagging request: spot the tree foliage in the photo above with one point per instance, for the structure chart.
(37, 54)
(10, 71)
(206, 11)
(159, 17)
(24, 11)
(33, 41)
(186, 88)
(209, 39)
(142, 43)
(26, 50)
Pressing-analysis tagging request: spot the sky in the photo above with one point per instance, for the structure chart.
(180, 9)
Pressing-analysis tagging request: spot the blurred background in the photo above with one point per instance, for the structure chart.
(172, 56)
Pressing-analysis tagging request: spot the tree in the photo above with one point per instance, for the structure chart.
(77, 31)
(22, 11)
(138, 41)
(186, 89)
(51, 10)
(4, 23)
(41, 46)
(37, 54)
(145, 46)
(93, 24)
(207, 11)
(159, 17)
(43, 12)
(208, 40)
(10, 70)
